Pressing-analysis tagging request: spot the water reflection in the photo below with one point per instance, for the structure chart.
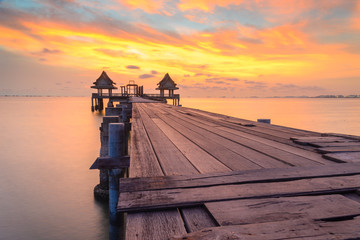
(47, 146)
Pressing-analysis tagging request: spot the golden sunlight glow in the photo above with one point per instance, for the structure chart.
(200, 49)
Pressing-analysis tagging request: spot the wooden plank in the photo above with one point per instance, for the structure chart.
(154, 225)
(160, 199)
(246, 154)
(202, 160)
(291, 149)
(260, 159)
(251, 211)
(197, 218)
(253, 131)
(344, 157)
(111, 163)
(243, 139)
(336, 144)
(229, 158)
(168, 167)
(339, 149)
(238, 177)
(143, 162)
(292, 229)
(172, 161)
(347, 229)
(319, 139)
(270, 129)
(314, 140)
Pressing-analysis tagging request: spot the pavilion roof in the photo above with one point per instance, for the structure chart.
(167, 83)
(104, 82)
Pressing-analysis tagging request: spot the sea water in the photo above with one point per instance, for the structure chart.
(47, 145)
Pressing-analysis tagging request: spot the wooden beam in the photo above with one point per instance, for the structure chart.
(170, 198)
(238, 177)
(291, 229)
(327, 207)
(111, 163)
(344, 157)
(339, 149)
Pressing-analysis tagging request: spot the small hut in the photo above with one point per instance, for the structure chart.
(104, 82)
(167, 84)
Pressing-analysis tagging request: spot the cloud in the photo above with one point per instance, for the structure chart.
(143, 76)
(205, 5)
(50, 51)
(132, 67)
(200, 86)
(202, 74)
(255, 85)
(221, 80)
(150, 6)
(293, 87)
(154, 72)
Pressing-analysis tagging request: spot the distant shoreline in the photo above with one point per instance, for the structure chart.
(252, 97)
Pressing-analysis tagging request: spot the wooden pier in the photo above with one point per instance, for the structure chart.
(200, 175)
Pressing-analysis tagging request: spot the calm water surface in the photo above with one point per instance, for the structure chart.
(46, 148)
(48, 144)
(316, 114)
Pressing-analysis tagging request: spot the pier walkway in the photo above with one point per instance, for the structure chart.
(200, 175)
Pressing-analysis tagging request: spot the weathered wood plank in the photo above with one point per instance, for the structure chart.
(336, 144)
(270, 129)
(154, 225)
(339, 149)
(197, 218)
(283, 152)
(111, 163)
(225, 155)
(315, 140)
(202, 160)
(347, 229)
(260, 159)
(194, 217)
(159, 199)
(344, 157)
(238, 177)
(292, 229)
(167, 164)
(172, 161)
(143, 162)
(291, 149)
(251, 211)
(319, 139)
(216, 135)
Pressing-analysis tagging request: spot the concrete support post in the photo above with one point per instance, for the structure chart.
(110, 103)
(116, 149)
(124, 113)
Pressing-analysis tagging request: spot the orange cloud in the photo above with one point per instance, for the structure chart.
(150, 6)
(205, 5)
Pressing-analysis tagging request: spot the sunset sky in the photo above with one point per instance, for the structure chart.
(232, 48)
